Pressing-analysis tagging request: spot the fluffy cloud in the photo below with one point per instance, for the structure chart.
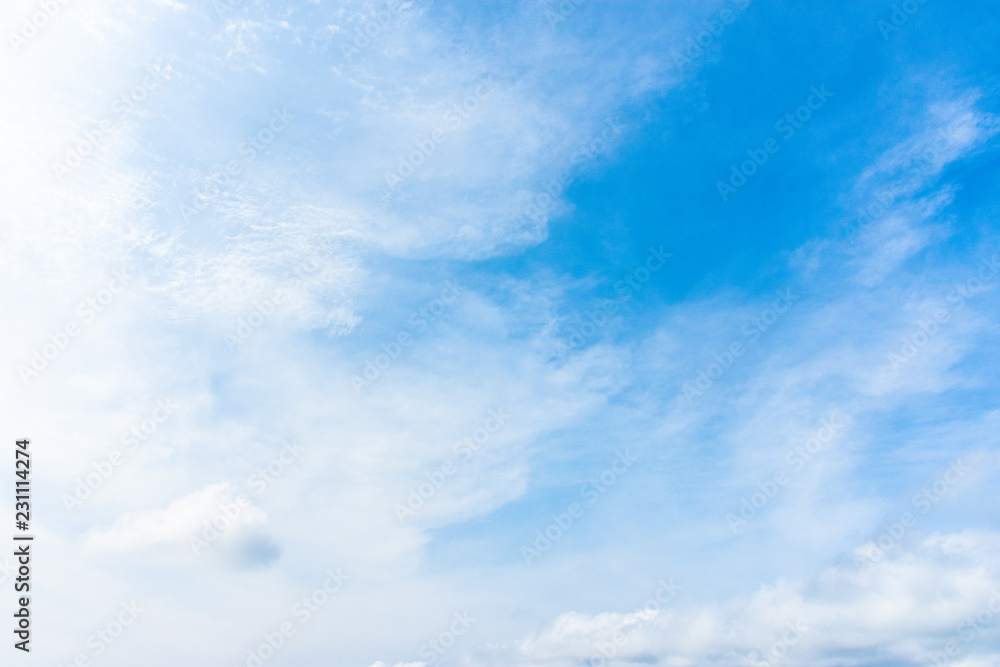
(908, 609)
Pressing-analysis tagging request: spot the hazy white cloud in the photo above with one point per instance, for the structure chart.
(307, 218)
(906, 608)
(215, 506)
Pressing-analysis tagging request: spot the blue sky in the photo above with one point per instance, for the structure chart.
(519, 334)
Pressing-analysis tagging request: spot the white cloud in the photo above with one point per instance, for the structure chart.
(898, 200)
(182, 519)
(320, 187)
(903, 609)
